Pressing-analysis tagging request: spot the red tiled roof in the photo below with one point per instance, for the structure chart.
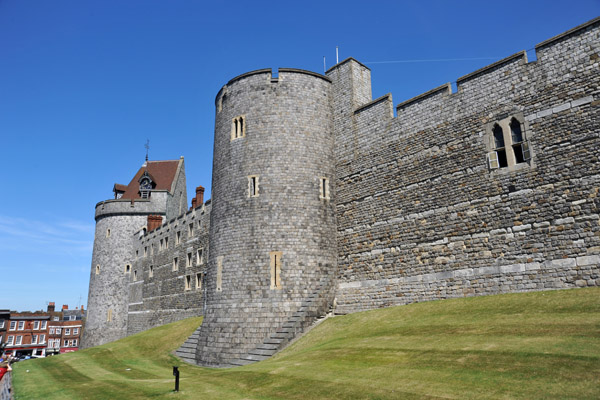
(162, 173)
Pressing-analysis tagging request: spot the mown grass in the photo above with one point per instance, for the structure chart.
(529, 345)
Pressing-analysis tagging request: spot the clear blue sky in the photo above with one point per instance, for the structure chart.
(83, 84)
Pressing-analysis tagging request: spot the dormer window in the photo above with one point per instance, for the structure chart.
(146, 185)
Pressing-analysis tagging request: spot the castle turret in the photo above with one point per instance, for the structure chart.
(272, 233)
(157, 189)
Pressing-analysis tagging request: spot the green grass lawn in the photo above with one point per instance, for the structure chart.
(528, 345)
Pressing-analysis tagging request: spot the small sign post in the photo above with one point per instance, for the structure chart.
(176, 375)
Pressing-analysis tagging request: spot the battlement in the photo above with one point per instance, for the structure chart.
(485, 87)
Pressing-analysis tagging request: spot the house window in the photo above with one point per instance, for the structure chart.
(253, 186)
(55, 319)
(199, 256)
(1, 324)
(198, 280)
(275, 264)
(75, 331)
(10, 340)
(66, 343)
(108, 315)
(13, 325)
(238, 127)
(58, 330)
(43, 325)
(67, 331)
(190, 229)
(188, 261)
(507, 144)
(127, 268)
(42, 339)
(151, 271)
(178, 237)
(188, 282)
(324, 189)
(19, 340)
(34, 339)
(21, 325)
(74, 342)
(36, 325)
(51, 331)
(97, 269)
(175, 266)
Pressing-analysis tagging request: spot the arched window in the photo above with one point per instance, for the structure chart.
(508, 150)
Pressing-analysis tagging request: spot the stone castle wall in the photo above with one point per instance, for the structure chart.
(412, 211)
(159, 293)
(420, 214)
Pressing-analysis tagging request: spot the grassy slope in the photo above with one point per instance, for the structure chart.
(532, 345)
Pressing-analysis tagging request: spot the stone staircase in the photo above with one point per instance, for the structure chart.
(313, 308)
(187, 351)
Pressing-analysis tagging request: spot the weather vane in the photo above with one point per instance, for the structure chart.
(147, 146)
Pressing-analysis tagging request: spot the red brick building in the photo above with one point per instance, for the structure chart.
(66, 326)
(26, 334)
(40, 333)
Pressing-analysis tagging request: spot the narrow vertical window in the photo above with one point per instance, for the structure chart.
(109, 315)
(275, 266)
(188, 282)
(198, 280)
(238, 127)
(324, 189)
(97, 269)
(175, 266)
(166, 243)
(253, 186)
(161, 244)
(145, 251)
(199, 256)
(499, 146)
(190, 229)
(135, 275)
(188, 261)
(219, 273)
(178, 237)
(108, 233)
(127, 268)
(150, 272)
(519, 146)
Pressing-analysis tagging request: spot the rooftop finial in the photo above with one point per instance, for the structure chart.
(147, 146)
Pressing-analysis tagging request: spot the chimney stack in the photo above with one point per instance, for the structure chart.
(51, 306)
(199, 197)
(65, 307)
(154, 221)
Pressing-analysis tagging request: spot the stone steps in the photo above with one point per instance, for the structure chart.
(307, 315)
(187, 351)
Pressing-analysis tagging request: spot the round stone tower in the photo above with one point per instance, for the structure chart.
(272, 233)
(116, 223)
